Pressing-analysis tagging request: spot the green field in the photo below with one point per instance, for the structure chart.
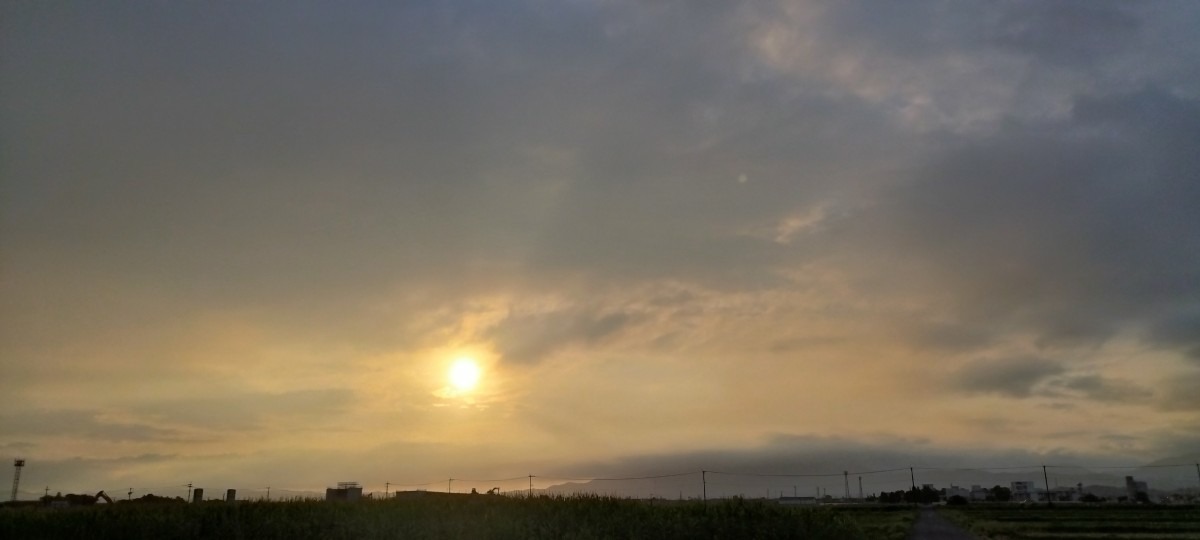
(458, 517)
(1078, 522)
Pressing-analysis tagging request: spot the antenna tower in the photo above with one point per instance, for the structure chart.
(17, 465)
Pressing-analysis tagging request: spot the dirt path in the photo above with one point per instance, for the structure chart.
(931, 526)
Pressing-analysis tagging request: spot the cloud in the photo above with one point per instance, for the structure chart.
(740, 201)
(1011, 377)
(529, 338)
(809, 457)
(1028, 229)
(1070, 34)
(249, 410)
(17, 447)
(86, 424)
(1178, 330)
(1106, 389)
(1179, 393)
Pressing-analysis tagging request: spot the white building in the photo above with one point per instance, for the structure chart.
(1022, 491)
(954, 490)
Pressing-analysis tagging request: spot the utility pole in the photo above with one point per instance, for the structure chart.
(189, 492)
(386, 487)
(531, 486)
(860, 493)
(47, 494)
(846, 477)
(913, 477)
(268, 493)
(448, 484)
(1046, 477)
(704, 486)
(129, 496)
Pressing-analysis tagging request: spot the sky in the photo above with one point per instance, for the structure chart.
(244, 243)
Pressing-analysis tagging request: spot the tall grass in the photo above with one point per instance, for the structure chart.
(487, 517)
(1072, 521)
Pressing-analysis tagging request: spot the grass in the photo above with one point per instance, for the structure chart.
(486, 517)
(1072, 522)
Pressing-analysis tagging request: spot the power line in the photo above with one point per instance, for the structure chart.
(980, 469)
(513, 479)
(618, 479)
(394, 484)
(1118, 466)
(807, 475)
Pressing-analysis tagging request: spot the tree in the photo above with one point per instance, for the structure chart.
(956, 500)
(1001, 493)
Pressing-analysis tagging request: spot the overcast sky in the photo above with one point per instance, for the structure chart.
(243, 243)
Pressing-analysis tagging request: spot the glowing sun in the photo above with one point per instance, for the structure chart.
(464, 374)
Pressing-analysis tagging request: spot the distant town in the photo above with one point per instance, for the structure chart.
(1134, 491)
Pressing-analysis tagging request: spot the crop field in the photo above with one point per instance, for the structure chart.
(458, 517)
(1069, 522)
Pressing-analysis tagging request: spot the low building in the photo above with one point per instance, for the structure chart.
(802, 501)
(979, 493)
(1065, 494)
(345, 491)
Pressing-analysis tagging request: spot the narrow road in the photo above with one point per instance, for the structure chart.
(931, 526)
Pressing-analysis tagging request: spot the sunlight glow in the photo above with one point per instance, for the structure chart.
(464, 374)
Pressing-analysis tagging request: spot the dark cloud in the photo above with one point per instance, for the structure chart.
(1178, 330)
(84, 424)
(952, 336)
(531, 338)
(1011, 377)
(1070, 229)
(809, 457)
(1179, 393)
(1178, 444)
(17, 447)
(1067, 33)
(1106, 389)
(250, 410)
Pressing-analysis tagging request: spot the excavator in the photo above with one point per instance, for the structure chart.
(71, 499)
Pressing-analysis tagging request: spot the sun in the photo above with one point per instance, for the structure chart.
(464, 374)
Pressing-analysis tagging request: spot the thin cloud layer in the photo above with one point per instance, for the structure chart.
(248, 234)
